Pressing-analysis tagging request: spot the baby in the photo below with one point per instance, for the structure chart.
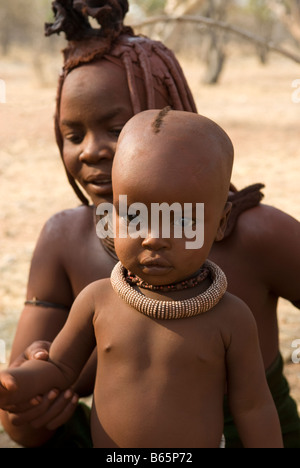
(169, 338)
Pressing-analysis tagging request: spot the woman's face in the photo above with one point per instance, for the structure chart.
(95, 105)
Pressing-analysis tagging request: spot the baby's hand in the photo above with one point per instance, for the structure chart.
(8, 387)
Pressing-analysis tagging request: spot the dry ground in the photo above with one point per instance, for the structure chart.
(253, 103)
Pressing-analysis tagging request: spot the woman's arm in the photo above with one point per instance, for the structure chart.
(48, 281)
(68, 354)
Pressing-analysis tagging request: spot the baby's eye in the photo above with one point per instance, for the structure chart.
(184, 222)
(130, 219)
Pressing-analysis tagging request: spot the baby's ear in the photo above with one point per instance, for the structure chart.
(223, 222)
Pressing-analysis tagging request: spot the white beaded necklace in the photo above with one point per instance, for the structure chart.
(171, 309)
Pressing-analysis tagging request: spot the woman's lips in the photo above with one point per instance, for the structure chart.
(99, 184)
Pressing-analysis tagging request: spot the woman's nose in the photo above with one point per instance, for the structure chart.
(97, 149)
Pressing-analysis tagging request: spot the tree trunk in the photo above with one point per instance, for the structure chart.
(215, 52)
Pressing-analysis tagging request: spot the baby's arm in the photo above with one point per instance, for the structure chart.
(249, 397)
(19, 385)
(68, 355)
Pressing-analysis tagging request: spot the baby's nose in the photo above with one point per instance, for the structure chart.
(155, 242)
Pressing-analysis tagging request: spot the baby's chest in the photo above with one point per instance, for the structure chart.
(167, 343)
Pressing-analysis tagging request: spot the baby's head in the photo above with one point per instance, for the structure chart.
(126, 73)
(171, 157)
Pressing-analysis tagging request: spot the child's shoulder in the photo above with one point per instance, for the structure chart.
(235, 315)
(100, 291)
(234, 307)
(99, 287)
(237, 325)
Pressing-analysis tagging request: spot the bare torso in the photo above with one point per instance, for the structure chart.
(168, 369)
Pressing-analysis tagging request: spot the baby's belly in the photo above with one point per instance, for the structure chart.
(152, 421)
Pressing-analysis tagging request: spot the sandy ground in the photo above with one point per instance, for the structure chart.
(253, 103)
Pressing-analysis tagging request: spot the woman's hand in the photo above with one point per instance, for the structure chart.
(49, 411)
(38, 350)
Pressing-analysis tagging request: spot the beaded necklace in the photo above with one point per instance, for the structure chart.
(186, 284)
(170, 309)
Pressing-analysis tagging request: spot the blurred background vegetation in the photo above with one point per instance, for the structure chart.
(22, 25)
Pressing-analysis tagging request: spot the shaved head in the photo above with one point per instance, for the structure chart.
(165, 149)
(172, 160)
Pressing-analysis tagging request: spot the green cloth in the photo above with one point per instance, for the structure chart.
(75, 433)
(286, 407)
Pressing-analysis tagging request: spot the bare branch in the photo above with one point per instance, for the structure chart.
(220, 25)
(289, 15)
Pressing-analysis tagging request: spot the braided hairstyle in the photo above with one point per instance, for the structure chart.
(140, 56)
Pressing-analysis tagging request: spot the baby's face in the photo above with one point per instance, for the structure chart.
(161, 169)
(95, 106)
(156, 243)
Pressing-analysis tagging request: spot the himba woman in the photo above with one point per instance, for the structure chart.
(109, 75)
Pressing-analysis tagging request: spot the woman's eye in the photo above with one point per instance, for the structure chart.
(184, 222)
(116, 132)
(74, 138)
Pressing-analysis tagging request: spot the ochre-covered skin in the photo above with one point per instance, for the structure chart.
(259, 257)
(160, 383)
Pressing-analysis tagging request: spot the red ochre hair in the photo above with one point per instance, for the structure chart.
(140, 57)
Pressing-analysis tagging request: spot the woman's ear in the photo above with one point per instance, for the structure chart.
(223, 222)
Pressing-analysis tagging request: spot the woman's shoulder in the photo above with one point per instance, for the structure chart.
(73, 219)
(265, 226)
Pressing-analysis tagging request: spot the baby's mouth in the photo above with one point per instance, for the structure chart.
(155, 266)
(155, 261)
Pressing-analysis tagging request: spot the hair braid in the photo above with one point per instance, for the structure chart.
(176, 76)
(146, 69)
(136, 105)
